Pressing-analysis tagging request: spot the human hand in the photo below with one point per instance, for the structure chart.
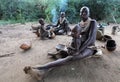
(71, 50)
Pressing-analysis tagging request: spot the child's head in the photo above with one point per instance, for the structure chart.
(75, 32)
(41, 21)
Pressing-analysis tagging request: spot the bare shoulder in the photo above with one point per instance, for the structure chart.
(93, 20)
(77, 25)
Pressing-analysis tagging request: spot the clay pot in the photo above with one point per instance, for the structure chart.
(114, 30)
(52, 35)
(106, 37)
(26, 46)
(110, 45)
(99, 35)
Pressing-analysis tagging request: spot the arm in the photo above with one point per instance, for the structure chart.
(91, 37)
(66, 24)
(58, 22)
(43, 27)
(66, 21)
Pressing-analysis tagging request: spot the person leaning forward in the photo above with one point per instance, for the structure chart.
(42, 32)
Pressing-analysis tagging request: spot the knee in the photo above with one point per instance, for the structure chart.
(69, 58)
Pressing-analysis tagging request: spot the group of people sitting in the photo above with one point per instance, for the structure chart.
(50, 31)
(82, 45)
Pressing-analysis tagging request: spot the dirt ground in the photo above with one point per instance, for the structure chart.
(13, 59)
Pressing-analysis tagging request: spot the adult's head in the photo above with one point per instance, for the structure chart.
(84, 13)
(41, 21)
(62, 14)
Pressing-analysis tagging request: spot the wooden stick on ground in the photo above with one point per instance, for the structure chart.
(7, 55)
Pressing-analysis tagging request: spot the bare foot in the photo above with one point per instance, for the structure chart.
(35, 73)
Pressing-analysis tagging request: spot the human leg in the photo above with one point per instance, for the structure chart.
(87, 52)
(44, 35)
(39, 72)
(56, 63)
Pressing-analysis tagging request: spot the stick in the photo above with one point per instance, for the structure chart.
(6, 55)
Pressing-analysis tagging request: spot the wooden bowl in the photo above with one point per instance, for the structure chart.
(60, 47)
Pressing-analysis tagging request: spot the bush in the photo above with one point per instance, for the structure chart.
(30, 10)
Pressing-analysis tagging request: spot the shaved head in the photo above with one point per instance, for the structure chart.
(85, 8)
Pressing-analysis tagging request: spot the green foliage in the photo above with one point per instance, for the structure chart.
(50, 5)
(21, 10)
(71, 12)
(30, 10)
